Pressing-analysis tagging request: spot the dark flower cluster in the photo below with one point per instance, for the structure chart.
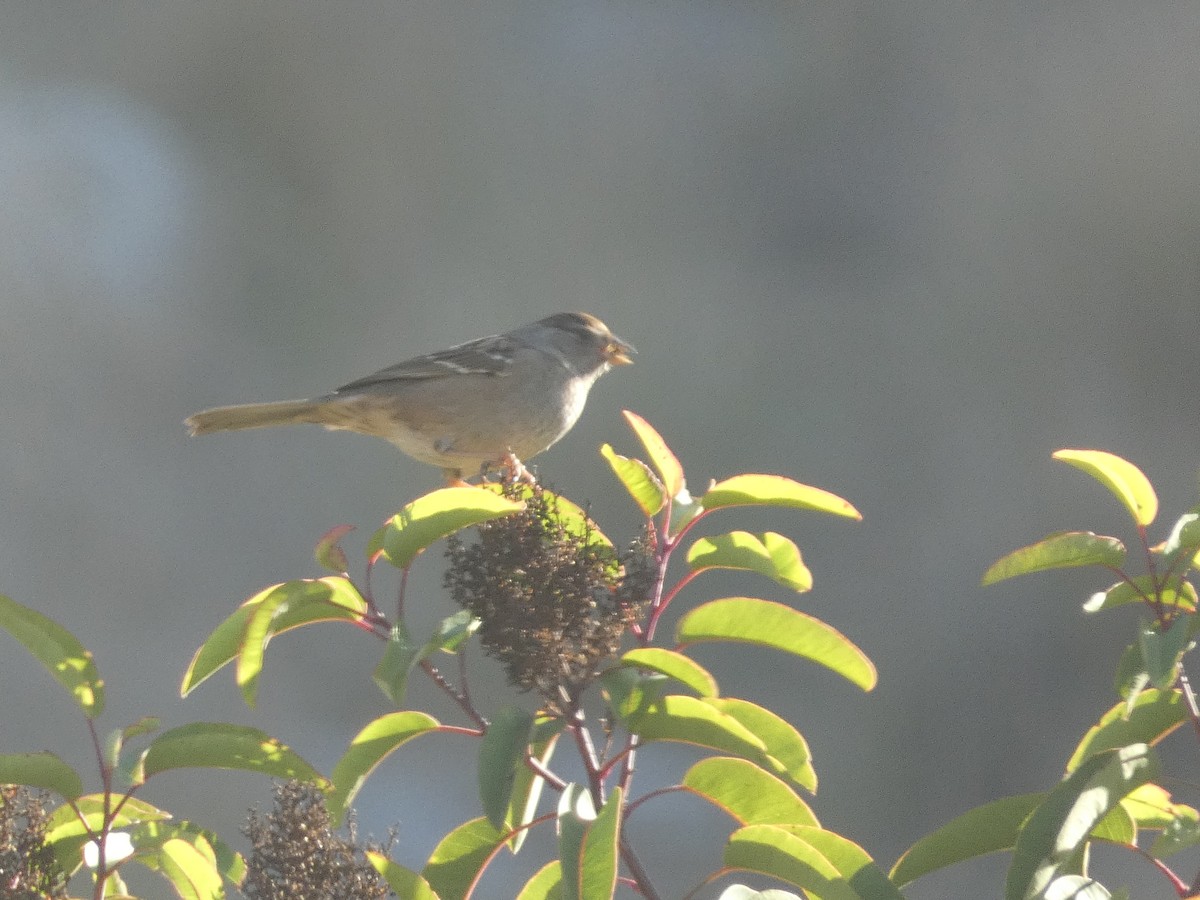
(554, 601)
(28, 870)
(296, 855)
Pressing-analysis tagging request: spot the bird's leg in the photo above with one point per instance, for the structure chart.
(517, 469)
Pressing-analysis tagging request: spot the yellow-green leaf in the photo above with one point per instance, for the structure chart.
(1151, 717)
(775, 490)
(689, 720)
(767, 624)
(789, 755)
(1058, 551)
(747, 793)
(545, 885)
(458, 860)
(367, 750)
(769, 554)
(41, 770)
(1123, 478)
(436, 515)
(328, 599)
(646, 490)
(675, 665)
(59, 651)
(221, 745)
(404, 882)
(774, 851)
(661, 457)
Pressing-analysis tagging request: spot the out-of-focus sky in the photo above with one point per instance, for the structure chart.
(902, 252)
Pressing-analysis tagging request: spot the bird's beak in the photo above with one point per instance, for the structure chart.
(619, 352)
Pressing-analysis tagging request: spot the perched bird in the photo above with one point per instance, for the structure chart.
(484, 404)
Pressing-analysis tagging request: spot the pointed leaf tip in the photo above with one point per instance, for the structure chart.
(775, 490)
(1123, 478)
(660, 454)
(1059, 551)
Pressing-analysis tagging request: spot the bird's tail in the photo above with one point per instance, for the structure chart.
(254, 415)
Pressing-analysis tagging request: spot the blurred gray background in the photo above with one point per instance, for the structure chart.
(899, 251)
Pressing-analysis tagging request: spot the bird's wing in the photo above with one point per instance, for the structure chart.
(484, 356)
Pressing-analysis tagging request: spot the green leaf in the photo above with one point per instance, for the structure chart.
(661, 457)
(775, 490)
(66, 833)
(191, 867)
(747, 793)
(1184, 540)
(329, 553)
(852, 862)
(769, 554)
(1151, 807)
(458, 860)
(1141, 587)
(1153, 715)
(741, 892)
(645, 489)
(766, 624)
(1120, 476)
(985, 829)
(689, 720)
(1117, 826)
(400, 656)
(1058, 551)
(588, 844)
(436, 515)
(1162, 650)
(567, 514)
(1055, 833)
(545, 885)
(789, 755)
(329, 599)
(59, 651)
(1075, 887)
(674, 665)
(775, 851)
(151, 836)
(404, 882)
(501, 751)
(41, 770)
(527, 787)
(367, 750)
(221, 745)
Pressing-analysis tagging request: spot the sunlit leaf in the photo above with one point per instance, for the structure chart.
(661, 457)
(1120, 476)
(1054, 834)
(221, 745)
(1162, 650)
(774, 851)
(769, 554)
(545, 885)
(675, 665)
(458, 860)
(191, 867)
(403, 882)
(367, 750)
(527, 787)
(747, 793)
(328, 551)
(775, 490)
(788, 752)
(59, 651)
(767, 624)
(1141, 589)
(328, 599)
(588, 844)
(693, 721)
(436, 515)
(642, 484)
(1153, 715)
(66, 832)
(1059, 551)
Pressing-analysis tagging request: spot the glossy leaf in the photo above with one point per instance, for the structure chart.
(329, 599)
(747, 793)
(1162, 650)
(1120, 476)
(1184, 540)
(59, 651)
(689, 720)
(191, 868)
(41, 770)
(66, 833)
(767, 624)
(567, 514)
(501, 751)
(1075, 887)
(588, 844)
(674, 665)
(1141, 590)
(400, 656)
(774, 851)
(789, 756)
(852, 862)
(545, 885)
(221, 745)
(151, 836)
(404, 882)
(329, 553)
(436, 515)
(775, 490)
(1056, 831)
(458, 860)
(1153, 715)
(741, 892)
(642, 484)
(367, 750)
(769, 554)
(985, 829)
(527, 787)
(661, 457)
(1059, 551)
